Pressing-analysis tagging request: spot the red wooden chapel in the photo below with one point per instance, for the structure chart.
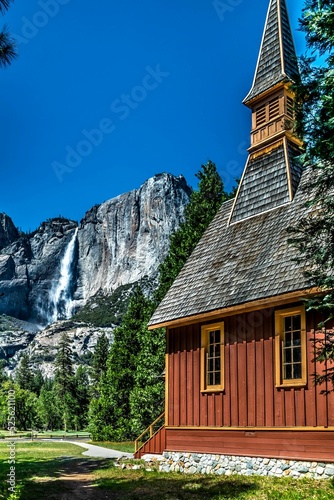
(240, 358)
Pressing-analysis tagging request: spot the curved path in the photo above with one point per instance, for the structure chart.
(95, 451)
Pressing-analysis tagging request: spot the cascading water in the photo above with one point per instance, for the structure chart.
(60, 299)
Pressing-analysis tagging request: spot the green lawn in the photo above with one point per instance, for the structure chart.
(48, 470)
(127, 447)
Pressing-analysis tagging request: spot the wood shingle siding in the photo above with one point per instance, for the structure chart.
(264, 187)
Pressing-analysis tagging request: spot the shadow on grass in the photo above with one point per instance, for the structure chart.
(49, 479)
(177, 487)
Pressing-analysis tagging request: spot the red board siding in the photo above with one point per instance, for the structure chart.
(250, 398)
(310, 445)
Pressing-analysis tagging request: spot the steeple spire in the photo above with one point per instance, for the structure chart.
(271, 175)
(277, 60)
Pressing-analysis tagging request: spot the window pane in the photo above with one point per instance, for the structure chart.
(297, 355)
(287, 342)
(287, 356)
(287, 372)
(217, 365)
(287, 324)
(217, 378)
(297, 338)
(217, 337)
(211, 337)
(297, 371)
(210, 365)
(211, 351)
(296, 322)
(210, 379)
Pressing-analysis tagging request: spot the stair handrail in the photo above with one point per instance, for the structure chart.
(149, 428)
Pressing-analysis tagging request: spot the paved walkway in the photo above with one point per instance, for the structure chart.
(95, 451)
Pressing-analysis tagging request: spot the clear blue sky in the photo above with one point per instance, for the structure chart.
(185, 68)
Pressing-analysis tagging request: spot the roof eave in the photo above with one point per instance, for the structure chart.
(253, 305)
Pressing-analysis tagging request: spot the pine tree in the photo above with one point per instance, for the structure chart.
(314, 234)
(64, 381)
(7, 43)
(49, 407)
(81, 393)
(64, 366)
(24, 375)
(110, 411)
(99, 361)
(147, 395)
(203, 206)
(38, 382)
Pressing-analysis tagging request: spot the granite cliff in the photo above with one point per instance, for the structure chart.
(49, 274)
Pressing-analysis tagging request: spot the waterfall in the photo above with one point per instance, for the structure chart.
(60, 298)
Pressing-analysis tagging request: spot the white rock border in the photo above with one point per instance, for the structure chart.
(225, 465)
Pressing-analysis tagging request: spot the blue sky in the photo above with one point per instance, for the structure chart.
(105, 95)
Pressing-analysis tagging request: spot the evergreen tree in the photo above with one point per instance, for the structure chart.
(147, 395)
(7, 44)
(99, 361)
(38, 382)
(110, 411)
(64, 366)
(203, 206)
(81, 394)
(314, 234)
(64, 381)
(49, 407)
(24, 375)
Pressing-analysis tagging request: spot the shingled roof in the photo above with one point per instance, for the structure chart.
(277, 60)
(265, 184)
(238, 263)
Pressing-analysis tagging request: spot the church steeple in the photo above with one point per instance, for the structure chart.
(277, 60)
(271, 175)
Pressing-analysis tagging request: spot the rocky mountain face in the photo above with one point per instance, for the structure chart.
(47, 275)
(126, 238)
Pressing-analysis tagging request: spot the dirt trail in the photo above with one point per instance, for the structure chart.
(75, 481)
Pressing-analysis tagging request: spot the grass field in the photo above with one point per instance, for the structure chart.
(56, 470)
(127, 447)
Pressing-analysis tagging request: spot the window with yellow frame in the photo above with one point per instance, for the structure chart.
(212, 358)
(290, 347)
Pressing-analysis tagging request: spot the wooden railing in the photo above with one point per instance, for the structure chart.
(150, 431)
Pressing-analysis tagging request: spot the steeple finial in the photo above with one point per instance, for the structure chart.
(271, 175)
(277, 60)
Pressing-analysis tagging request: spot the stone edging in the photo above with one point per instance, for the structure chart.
(197, 463)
